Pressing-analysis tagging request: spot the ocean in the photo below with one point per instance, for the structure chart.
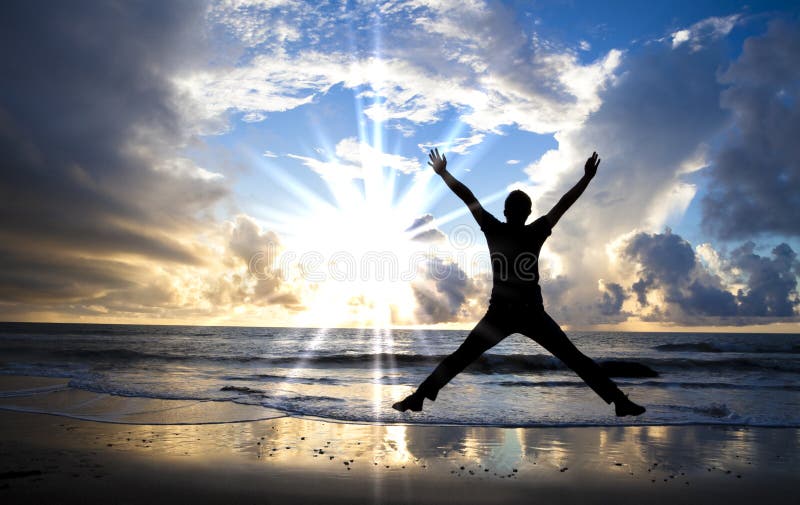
(354, 375)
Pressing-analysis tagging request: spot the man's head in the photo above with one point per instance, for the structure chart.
(518, 207)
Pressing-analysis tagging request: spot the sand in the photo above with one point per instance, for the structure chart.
(57, 459)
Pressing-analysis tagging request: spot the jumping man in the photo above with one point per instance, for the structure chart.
(516, 303)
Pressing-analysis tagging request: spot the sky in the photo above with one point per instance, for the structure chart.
(263, 162)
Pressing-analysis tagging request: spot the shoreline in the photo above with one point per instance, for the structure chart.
(290, 459)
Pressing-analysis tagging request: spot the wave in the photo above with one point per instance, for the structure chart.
(725, 364)
(521, 363)
(715, 410)
(337, 409)
(283, 378)
(486, 364)
(720, 348)
(658, 384)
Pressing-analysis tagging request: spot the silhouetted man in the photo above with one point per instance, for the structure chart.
(516, 305)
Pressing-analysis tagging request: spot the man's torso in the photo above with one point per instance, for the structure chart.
(514, 252)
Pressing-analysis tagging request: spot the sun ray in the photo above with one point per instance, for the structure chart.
(288, 182)
(302, 361)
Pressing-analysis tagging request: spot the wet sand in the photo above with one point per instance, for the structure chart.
(56, 459)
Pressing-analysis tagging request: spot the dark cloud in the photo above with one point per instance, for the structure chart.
(89, 125)
(420, 221)
(443, 291)
(756, 175)
(429, 236)
(655, 117)
(426, 233)
(660, 110)
(667, 262)
(702, 300)
(694, 295)
(613, 297)
(772, 285)
(39, 277)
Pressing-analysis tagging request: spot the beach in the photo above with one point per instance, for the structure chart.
(286, 459)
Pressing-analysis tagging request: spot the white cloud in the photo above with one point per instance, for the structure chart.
(459, 145)
(254, 117)
(711, 28)
(680, 37)
(487, 69)
(354, 158)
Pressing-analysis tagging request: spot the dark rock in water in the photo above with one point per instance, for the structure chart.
(241, 389)
(629, 369)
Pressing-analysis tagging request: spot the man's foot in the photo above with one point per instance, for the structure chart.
(412, 402)
(624, 407)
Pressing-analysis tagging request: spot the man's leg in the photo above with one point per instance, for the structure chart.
(483, 337)
(549, 335)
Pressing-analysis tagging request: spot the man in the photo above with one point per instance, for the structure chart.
(516, 302)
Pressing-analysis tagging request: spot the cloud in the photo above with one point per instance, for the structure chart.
(755, 175)
(89, 126)
(461, 145)
(706, 30)
(667, 261)
(679, 288)
(353, 159)
(652, 130)
(443, 293)
(424, 232)
(612, 299)
(771, 282)
(487, 68)
(420, 221)
(102, 213)
(656, 117)
(258, 251)
(256, 22)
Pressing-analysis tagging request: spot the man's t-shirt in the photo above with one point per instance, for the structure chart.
(514, 252)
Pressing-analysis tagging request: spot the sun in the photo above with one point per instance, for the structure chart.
(360, 262)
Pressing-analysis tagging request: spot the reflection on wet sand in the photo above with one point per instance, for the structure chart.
(370, 462)
(653, 452)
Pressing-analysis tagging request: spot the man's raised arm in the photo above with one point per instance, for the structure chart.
(590, 169)
(439, 164)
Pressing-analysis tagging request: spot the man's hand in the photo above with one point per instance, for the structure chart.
(438, 162)
(572, 195)
(591, 165)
